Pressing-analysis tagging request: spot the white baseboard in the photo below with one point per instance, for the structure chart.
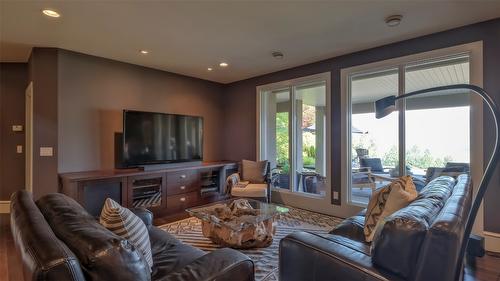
(492, 241)
(4, 207)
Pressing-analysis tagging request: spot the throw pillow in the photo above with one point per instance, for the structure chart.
(374, 210)
(254, 172)
(126, 224)
(387, 201)
(403, 192)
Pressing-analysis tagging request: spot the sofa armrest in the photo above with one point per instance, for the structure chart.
(145, 215)
(308, 256)
(221, 265)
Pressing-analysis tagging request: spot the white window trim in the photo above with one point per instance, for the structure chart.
(307, 201)
(475, 50)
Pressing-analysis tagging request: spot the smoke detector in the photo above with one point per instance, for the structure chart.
(393, 20)
(278, 55)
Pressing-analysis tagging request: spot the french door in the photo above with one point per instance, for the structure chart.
(294, 136)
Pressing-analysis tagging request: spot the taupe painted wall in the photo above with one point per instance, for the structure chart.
(13, 82)
(241, 97)
(43, 73)
(92, 92)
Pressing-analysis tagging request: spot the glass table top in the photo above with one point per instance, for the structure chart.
(237, 214)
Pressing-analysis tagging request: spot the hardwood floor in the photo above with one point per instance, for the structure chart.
(486, 268)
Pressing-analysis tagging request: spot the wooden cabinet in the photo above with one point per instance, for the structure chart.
(165, 192)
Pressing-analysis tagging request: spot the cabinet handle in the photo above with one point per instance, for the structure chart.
(183, 187)
(183, 176)
(183, 199)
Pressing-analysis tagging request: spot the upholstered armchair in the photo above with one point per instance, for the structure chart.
(251, 181)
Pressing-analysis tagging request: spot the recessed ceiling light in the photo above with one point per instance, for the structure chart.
(223, 64)
(51, 13)
(209, 69)
(278, 55)
(393, 20)
(144, 52)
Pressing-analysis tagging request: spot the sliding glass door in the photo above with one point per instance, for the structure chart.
(293, 134)
(430, 137)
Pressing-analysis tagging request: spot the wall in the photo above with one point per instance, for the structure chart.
(43, 74)
(241, 97)
(13, 83)
(92, 92)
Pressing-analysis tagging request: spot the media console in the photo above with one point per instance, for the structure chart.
(166, 192)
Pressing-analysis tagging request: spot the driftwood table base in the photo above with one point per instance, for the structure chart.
(259, 235)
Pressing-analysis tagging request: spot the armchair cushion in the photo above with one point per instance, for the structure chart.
(254, 172)
(251, 190)
(374, 163)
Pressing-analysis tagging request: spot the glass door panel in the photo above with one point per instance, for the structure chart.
(277, 135)
(374, 153)
(310, 138)
(437, 125)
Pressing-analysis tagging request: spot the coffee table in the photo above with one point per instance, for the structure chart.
(239, 223)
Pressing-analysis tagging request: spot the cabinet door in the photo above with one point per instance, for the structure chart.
(147, 191)
(93, 193)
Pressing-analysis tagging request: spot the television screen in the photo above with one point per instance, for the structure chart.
(156, 138)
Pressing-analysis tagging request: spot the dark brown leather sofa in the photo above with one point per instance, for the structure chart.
(58, 240)
(419, 242)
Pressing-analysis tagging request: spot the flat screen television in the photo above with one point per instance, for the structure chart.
(160, 138)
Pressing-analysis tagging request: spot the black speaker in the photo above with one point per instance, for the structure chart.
(475, 248)
(96, 192)
(119, 151)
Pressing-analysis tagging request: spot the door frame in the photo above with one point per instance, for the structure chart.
(475, 51)
(312, 202)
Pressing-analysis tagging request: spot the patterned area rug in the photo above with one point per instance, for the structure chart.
(265, 259)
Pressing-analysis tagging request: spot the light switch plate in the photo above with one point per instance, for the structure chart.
(19, 148)
(46, 151)
(17, 128)
(336, 195)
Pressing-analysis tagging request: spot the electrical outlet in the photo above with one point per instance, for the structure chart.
(17, 128)
(336, 195)
(46, 151)
(19, 148)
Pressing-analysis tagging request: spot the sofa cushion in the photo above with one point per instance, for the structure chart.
(126, 224)
(442, 243)
(397, 241)
(102, 254)
(254, 172)
(351, 228)
(169, 254)
(374, 210)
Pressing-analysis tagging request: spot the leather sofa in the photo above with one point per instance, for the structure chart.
(419, 242)
(58, 240)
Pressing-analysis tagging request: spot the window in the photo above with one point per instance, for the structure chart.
(293, 133)
(430, 137)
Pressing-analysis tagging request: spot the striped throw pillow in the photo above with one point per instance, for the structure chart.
(126, 224)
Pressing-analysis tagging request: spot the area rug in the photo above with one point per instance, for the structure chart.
(265, 259)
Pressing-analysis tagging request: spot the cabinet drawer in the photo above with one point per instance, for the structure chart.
(180, 202)
(181, 188)
(181, 177)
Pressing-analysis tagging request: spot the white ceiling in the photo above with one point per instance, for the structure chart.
(187, 37)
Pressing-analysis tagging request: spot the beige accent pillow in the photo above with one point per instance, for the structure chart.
(387, 201)
(254, 172)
